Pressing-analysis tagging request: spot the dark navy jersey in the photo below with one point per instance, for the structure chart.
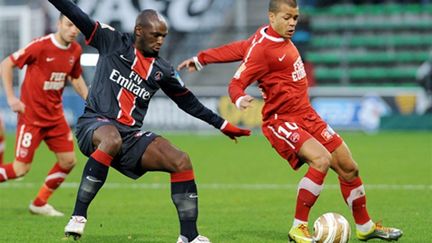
(125, 81)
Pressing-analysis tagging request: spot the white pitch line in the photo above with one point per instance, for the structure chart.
(216, 186)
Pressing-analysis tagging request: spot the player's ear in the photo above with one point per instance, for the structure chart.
(138, 30)
(271, 16)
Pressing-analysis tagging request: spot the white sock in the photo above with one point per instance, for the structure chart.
(297, 222)
(365, 227)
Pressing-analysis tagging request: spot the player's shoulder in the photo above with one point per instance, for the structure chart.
(163, 64)
(40, 41)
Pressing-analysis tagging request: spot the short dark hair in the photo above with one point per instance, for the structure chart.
(274, 5)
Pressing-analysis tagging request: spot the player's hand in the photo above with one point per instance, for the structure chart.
(16, 105)
(245, 102)
(234, 132)
(191, 64)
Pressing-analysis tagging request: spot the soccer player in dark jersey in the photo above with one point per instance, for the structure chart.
(51, 60)
(128, 74)
(290, 123)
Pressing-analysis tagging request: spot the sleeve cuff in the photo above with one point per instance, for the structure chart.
(237, 103)
(198, 65)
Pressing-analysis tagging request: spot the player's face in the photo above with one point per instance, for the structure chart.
(152, 37)
(68, 31)
(285, 20)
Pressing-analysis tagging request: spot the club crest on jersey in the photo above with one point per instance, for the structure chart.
(299, 71)
(327, 133)
(158, 75)
(295, 137)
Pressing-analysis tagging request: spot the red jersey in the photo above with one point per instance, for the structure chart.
(49, 64)
(272, 61)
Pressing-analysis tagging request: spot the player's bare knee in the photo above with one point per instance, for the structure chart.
(349, 173)
(182, 162)
(111, 144)
(68, 163)
(21, 169)
(322, 162)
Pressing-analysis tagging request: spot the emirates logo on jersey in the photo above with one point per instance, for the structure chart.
(299, 70)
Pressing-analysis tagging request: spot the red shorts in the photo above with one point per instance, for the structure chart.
(288, 133)
(58, 137)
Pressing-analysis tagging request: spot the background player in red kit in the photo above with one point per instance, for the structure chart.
(129, 72)
(2, 135)
(51, 61)
(290, 123)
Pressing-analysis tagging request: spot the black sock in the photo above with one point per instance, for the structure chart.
(185, 197)
(93, 178)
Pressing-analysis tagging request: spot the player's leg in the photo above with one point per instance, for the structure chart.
(354, 195)
(107, 141)
(298, 146)
(55, 177)
(59, 140)
(2, 140)
(161, 155)
(28, 139)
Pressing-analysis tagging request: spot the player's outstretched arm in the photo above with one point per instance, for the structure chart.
(231, 52)
(80, 19)
(80, 87)
(14, 103)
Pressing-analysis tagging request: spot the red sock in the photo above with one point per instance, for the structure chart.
(354, 195)
(7, 172)
(2, 146)
(54, 179)
(187, 175)
(309, 188)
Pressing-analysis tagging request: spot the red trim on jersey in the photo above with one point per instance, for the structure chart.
(142, 65)
(92, 34)
(126, 101)
(181, 94)
(102, 157)
(187, 175)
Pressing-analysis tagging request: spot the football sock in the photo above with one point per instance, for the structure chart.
(7, 172)
(185, 198)
(93, 177)
(54, 179)
(2, 147)
(309, 188)
(354, 195)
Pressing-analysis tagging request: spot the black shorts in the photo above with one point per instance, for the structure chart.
(134, 143)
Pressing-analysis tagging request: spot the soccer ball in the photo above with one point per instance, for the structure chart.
(331, 228)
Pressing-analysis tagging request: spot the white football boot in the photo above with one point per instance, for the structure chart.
(46, 210)
(198, 239)
(75, 227)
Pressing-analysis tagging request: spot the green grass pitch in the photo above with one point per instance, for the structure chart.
(247, 193)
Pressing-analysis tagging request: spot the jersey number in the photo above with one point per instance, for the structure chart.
(290, 125)
(26, 140)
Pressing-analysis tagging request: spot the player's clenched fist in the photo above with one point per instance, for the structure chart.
(233, 132)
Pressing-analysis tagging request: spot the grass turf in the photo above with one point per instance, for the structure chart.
(247, 193)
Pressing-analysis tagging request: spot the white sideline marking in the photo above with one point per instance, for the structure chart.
(215, 186)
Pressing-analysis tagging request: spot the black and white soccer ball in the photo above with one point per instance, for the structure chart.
(331, 228)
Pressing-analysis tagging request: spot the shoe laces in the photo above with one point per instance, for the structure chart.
(305, 230)
(380, 227)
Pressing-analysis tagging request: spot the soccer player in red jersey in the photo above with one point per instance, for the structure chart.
(2, 140)
(51, 61)
(290, 123)
(2, 136)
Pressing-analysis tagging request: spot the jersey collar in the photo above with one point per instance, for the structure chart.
(269, 33)
(57, 44)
